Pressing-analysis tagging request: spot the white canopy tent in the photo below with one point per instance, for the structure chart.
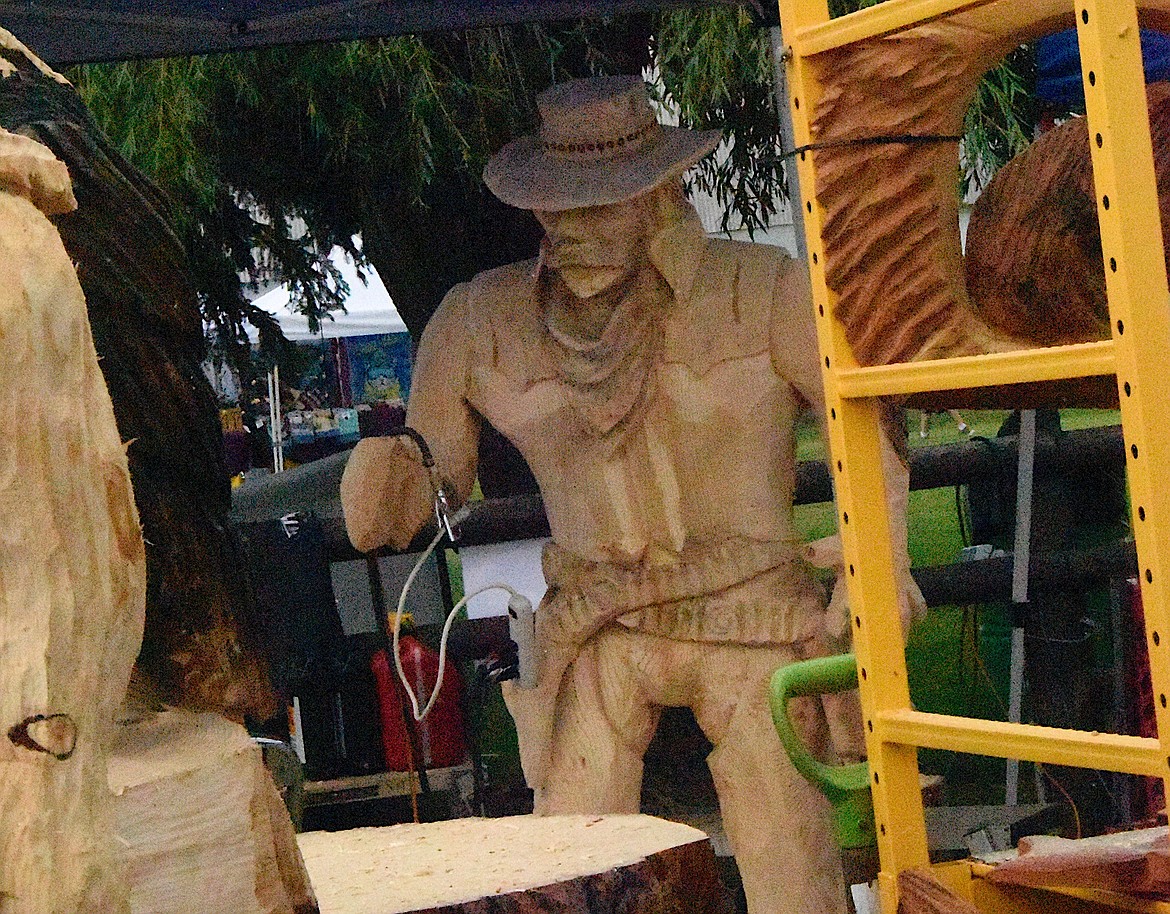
(368, 307)
(369, 310)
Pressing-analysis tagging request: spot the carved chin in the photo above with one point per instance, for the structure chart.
(585, 282)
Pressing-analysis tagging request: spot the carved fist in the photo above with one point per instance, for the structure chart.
(827, 553)
(385, 494)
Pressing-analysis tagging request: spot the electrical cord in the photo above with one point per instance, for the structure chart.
(396, 627)
(448, 521)
(444, 513)
(899, 139)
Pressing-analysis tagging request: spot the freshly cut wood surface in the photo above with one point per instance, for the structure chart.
(203, 828)
(72, 563)
(521, 863)
(202, 641)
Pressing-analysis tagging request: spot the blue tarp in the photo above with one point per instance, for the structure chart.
(1058, 66)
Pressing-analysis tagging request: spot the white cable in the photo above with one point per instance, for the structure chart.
(419, 715)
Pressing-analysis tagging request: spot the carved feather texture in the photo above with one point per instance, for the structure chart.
(1034, 272)
(891, 236)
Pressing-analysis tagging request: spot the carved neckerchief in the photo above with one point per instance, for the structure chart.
(608, 378)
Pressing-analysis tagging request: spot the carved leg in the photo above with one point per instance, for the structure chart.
(778, 824)
(604, 724)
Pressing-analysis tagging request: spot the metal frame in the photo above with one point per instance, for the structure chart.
(1138, 354)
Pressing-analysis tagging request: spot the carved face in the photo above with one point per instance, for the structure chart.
(594, 247)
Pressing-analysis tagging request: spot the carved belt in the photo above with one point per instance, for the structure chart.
(760, 582)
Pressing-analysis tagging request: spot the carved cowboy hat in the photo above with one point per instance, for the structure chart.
(599, 143)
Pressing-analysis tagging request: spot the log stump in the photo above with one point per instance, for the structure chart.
(595, 864)
(203, 827)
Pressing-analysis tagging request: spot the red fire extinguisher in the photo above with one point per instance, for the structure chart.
(440, 734)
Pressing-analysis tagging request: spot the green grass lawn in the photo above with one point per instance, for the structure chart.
(957, 657)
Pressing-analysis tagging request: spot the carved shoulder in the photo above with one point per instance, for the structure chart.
(795, 351)
(503, 319)
(728, 313)
(757, 268)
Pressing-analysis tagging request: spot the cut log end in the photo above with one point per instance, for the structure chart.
(200, 820)
(522, 864)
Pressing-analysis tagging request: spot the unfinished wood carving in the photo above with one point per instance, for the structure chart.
(892, 251)
(518, 865)
(202, 826)
(200, 647)
(72, 566)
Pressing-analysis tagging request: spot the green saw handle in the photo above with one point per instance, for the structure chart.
(845, 786)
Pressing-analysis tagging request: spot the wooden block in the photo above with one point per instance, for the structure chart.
(202, 823)
(522, 863)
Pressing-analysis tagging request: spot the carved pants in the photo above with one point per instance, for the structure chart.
(779, 825)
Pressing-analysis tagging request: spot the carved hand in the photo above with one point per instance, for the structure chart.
(385, 494)
(827, 553)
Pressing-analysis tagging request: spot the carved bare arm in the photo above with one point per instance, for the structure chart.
(386, 492)
(796, 356)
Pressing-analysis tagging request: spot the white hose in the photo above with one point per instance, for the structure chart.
(397, 626)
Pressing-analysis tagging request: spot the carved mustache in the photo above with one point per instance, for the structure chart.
(572, 252)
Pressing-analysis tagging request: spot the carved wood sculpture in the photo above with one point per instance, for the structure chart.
(1034, 266)
(518, 865)
(199, 650)
(651, 378)
(892, 249)
(73, 572)
(72, 568)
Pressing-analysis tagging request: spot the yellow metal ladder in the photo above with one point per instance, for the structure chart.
(1138, 354)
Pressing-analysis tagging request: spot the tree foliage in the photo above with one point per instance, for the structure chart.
(716, 68)
(275, 156)
(1002, 120)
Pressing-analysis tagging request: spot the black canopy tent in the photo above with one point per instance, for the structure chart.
(64, 32)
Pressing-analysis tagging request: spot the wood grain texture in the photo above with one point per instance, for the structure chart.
(921, 892)
(517, 865)
(72, 568)
(201, 822)
(200, 648)
(1034, 265)
(892, 248)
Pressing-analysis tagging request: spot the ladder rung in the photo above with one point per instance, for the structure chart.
(1081, 360)
(1026, 742)
(899, 15)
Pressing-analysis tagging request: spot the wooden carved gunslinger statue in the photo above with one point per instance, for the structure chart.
(651, 378)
